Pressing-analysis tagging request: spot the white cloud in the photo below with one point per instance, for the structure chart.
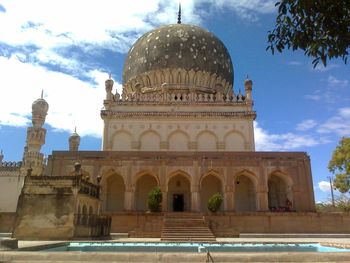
(324, 186)
(72, 102)
(94, 26)
(306, 125)
(338, 124)
(334, 82)
(294, 63)
(265, 141)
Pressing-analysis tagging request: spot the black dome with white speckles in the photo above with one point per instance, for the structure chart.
(178, 46)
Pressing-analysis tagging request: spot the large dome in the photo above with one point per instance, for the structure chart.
(178, 46)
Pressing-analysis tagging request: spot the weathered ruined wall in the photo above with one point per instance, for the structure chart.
(45, 209)
(45, 217)
(6, 222)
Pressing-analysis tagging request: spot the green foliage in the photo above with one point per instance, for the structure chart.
(155, 198)
(340, 165)
(214, 202)
(341, 204)
(320, 28)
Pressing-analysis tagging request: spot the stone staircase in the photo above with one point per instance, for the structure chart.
(185, 227)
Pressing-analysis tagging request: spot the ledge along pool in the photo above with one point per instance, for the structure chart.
(194, 247)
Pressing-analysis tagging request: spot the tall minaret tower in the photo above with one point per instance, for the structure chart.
(33, 159)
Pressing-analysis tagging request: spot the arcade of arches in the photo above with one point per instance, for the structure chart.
(181, 192)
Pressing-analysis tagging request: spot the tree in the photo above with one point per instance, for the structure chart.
(340, 165)
(319, 27)
(155, 198)
(214, 202)
(341, 204)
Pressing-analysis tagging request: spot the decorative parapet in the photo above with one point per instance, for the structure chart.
(53, 183)
(10, 164)
(183, 97)
(189, 114)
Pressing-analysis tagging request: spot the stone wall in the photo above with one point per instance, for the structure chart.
(279, 223)
(45, 217)
(6, 222)
(10, 186)
(137, 224)
(47, 206)
(146, 225)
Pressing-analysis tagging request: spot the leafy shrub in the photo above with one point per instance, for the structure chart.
(214, 202)
(155, 198)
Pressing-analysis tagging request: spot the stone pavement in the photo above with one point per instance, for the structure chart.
(38, 256)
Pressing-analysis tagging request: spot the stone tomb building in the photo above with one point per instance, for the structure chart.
(180, 125)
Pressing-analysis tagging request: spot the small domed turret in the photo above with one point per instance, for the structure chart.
(39, 111)
(109, 86)
(248, 86)
(74, 141)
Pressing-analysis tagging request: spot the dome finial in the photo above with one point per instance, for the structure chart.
(42, 94)
(179, 15)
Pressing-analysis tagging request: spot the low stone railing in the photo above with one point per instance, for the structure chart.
(181, 97)
(92, 225)
(88, 188)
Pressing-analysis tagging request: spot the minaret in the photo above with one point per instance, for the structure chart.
(248, 86)
(74, 141)
(32, 157)
(1, 157)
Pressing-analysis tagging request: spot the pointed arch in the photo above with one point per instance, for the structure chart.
(144, 183)
(178, 172)
(150, 140)
(210, 184)
(280, 194)
(234, 141)
(121, 140)
(178, 140)
(245, 187)
(113, 191)
(178, 188)
(207, 141)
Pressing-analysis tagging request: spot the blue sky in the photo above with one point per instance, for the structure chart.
(67, 48)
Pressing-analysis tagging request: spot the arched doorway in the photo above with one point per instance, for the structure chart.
(115, 190)
(278, 194)
(245, 197)
(210, 185)
(143, 186)
(179, 194)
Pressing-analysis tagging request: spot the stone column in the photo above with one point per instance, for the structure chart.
(228, 199)
(195, 201)
(263, 203)
(129, 200)
(165, 201)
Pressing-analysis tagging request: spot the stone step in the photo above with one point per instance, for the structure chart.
(184, 227)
